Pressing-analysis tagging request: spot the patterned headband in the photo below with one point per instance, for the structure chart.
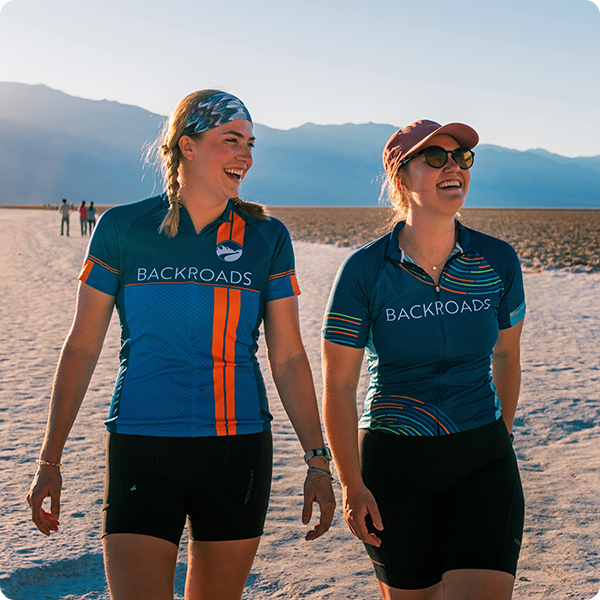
(214, 111)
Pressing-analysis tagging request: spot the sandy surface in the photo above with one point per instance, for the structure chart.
(557, 436)
(549, 238)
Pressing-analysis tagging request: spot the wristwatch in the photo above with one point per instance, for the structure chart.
(324, 452)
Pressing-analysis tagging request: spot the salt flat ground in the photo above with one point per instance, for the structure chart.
(557, 436)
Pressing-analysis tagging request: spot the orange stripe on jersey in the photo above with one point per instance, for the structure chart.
(219, 324)
(86, 270)
(295, 285)
(278, 275)
(237, 229)
(102, 264)
(224, 232)
(233, 317)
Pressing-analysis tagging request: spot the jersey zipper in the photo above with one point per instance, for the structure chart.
(451, 259)
(443, 331)
(444, 338)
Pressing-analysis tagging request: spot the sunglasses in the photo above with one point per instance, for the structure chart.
(437, 157)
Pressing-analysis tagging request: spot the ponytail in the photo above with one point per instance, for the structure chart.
(396, 195)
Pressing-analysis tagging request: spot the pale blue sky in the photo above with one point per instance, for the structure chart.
(524, 73)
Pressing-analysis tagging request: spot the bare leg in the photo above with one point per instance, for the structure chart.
(431, 593)
(477, 584)
(219, 570)
(139, 567)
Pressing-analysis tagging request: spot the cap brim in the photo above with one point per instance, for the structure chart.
(465, 136)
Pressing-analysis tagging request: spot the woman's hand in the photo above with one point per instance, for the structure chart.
(46, 484)
(358, 503)
(318, 488)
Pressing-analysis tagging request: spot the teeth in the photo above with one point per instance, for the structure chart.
(446, 184)
(236, 172)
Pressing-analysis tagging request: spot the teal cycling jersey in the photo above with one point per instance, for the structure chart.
(428, 347)
(190, 309)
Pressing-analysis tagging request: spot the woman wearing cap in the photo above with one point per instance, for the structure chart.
(431, 484)
(192, 272)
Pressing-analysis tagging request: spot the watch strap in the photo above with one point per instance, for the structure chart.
(324, 452)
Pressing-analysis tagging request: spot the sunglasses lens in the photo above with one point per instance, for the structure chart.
(435, 156)
(464, 158)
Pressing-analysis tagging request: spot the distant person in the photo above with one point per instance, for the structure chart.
(65, 210)
(91, 217)
(189, 425)
(83, 218)
(429, 475)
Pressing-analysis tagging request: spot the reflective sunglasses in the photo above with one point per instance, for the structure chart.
(437, 157)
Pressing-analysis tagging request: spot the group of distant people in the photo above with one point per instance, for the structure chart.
(87, 216)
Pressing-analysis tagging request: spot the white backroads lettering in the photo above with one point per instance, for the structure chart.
(434, 309)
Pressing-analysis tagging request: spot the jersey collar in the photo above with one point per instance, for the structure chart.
(463, 245)
(185, 216)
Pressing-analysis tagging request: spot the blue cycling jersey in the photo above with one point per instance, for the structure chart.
(190, 308)
(428, 346)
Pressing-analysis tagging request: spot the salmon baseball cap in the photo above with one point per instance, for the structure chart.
(413, 137)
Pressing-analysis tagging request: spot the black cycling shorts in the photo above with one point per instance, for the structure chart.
(221, 484)
(449, 502)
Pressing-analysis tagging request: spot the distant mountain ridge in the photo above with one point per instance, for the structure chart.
(53, 145)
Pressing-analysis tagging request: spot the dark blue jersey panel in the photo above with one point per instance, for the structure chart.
(428, 346)
(190, 309)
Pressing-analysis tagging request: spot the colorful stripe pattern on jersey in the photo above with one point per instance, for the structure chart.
(190, 308)
(428, 347)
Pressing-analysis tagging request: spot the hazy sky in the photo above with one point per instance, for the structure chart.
(524, 73)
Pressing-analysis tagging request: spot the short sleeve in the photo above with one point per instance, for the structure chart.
(101, 266)
(347, 315)
(282, 273)
(511, 308)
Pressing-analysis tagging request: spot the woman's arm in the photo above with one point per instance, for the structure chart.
(506, 371)
(293, 378)
(341, 370)
(75, 367)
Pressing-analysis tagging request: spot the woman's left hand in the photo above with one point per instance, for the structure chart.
(318, 488)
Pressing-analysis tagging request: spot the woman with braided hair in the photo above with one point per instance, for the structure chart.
(193, 273)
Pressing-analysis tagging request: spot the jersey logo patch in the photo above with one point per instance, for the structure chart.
(229, 251)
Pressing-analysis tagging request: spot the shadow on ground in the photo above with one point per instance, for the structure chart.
(77, 579)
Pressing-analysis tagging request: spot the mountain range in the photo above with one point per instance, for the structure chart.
(55, 146)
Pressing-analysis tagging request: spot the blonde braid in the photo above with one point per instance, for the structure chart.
(170, 223)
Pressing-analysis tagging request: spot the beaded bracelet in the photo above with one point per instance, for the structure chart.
(316, 471)
(46, 463)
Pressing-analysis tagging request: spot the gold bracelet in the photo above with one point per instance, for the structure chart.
(45, 463)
